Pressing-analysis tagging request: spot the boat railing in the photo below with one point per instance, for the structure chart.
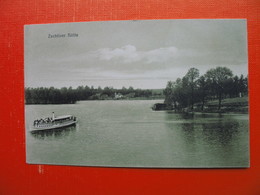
(49, 122)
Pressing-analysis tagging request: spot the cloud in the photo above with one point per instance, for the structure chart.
(128, 61)
(129, 54)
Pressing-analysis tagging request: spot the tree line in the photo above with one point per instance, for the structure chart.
(51, 95)
(217, 83)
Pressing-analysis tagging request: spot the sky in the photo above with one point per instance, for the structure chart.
(143, 54)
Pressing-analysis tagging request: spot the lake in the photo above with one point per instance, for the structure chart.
(126, 133)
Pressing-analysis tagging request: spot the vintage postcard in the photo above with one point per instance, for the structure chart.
(150, 93)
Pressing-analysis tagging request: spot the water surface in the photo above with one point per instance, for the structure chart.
(129, 134)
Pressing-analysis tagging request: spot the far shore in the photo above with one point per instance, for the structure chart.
(122, 99)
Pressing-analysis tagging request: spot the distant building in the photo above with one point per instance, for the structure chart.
(118, 96)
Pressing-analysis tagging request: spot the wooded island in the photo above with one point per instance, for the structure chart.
(217, 90)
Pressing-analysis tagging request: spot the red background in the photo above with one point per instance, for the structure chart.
(17, 177)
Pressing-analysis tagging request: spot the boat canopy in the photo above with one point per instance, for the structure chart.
(62, 117)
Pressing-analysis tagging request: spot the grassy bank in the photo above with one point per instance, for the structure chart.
(228, 105)
(237, 105)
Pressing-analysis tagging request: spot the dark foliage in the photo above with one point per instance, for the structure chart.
(70, 96)
(218, 83)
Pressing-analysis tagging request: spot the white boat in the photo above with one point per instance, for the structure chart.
(53, 123)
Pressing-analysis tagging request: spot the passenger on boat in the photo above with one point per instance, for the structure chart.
(42, 121)
(49, 120)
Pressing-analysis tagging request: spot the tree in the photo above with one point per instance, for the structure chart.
(202, 92)
(242, 85)
(192, 75)
(108, 91)
(176, 93)
(233, 87)
(169, 94)
(218, 78)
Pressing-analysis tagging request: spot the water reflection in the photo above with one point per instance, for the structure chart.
(216, 128)
(206, 139)
(188, 131)
(54, 133)
(209, 129)
(221, 131)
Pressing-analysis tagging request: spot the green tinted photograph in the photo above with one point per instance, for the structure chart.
(144, 94)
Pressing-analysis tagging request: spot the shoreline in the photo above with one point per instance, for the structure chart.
(129, 99)
(229, 105)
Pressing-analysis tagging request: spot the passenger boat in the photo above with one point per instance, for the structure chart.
(54, 122)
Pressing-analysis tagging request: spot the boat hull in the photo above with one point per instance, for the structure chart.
(52, 126)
